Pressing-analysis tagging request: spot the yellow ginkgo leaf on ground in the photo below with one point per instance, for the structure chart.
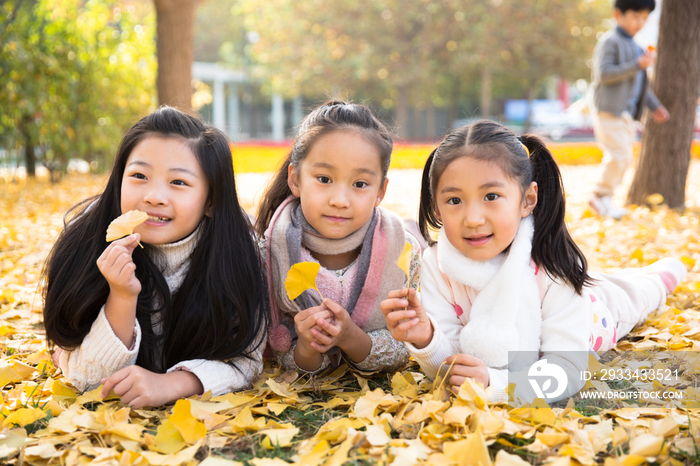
(301, 277)
(124, 224)
(470, 451)
(280, 437)
(168, 439)
(191, 428)
(23, 417)
(404, 260)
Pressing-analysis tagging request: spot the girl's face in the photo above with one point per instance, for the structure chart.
(163, 178)
(339, 183)
(480, 207)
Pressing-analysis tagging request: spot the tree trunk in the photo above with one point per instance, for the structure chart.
(665, 156)
(527, 125)
(430, 130)
(417, 123)
(452, 111)
(29, 153)
(486, 90)
(174, 19)
(402, 113)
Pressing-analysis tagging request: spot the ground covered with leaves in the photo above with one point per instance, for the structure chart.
(346, 417)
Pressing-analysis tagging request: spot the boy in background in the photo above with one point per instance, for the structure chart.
(620, 93)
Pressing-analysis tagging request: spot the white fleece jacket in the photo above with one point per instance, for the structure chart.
(565, 326)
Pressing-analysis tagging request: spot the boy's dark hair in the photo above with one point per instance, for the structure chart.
(216, 314)
(635, 5)
(553, 249)
(331, 116)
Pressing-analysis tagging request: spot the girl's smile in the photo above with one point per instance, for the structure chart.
(164, 179)
(480, 207)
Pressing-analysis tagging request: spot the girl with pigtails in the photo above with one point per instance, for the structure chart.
(505, 275)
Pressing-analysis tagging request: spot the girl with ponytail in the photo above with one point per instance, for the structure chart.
(323, 207)
(506, 276)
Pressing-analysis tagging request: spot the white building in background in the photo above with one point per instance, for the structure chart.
(226, 113)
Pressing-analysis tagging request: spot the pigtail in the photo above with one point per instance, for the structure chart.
(552, 246)
(426, 212)
(275, 194)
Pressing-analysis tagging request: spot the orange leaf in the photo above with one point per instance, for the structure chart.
(124, 224)
(301, 277)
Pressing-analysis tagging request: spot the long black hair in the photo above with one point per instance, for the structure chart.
(331, 116)
(525, 159)
(217, 312)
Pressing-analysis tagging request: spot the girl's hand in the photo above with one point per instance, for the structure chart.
(463, 366)
(306, 320)
(305, 355)
(118, 268)
(342, 332)
(406, 319)
(138, 387)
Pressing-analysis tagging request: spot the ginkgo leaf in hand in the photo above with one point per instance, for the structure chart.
(124, 224)
(301, 277)
(404, 260)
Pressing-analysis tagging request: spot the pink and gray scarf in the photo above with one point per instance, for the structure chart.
(381, 241)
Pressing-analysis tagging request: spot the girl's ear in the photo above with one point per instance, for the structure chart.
(529, 199)
(293, 181)
(207, 210)
(381, 193)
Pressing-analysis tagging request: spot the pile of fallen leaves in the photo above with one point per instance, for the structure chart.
(345, 417)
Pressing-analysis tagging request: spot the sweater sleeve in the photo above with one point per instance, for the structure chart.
(565, 331)
(437, 301)
(100, 355)
(414, 279)
(221, 377)
(607, 61)
(651, 100)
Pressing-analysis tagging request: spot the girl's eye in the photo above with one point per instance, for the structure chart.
(454, 201)
(324, 179)
(139, 176)
(491, 197)
(360, 184)
(179, 183)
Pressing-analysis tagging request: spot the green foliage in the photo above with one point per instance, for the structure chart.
(73, 78)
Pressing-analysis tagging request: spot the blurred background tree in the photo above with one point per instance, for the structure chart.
(665, 156)
(421, 54)
(75, 75)
(72, 79)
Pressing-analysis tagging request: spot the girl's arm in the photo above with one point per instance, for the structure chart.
(437, 301)
(100, 355)
(118, 268)
(139, 387)
(114, 338)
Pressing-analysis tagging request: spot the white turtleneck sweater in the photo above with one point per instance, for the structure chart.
(102, 353)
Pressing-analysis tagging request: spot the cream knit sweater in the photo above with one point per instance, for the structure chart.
(102, 353)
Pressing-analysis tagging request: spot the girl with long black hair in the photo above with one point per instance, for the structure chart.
(181, 315)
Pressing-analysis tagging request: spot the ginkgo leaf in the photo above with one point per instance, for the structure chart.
(302, 277)
(124, 224)
(191, 428)
(404, 260)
